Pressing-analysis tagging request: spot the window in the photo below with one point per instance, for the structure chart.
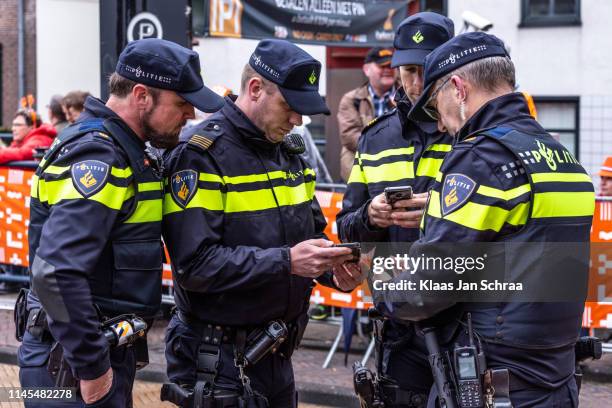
(540, 13)
(437, 6)
(559, 116)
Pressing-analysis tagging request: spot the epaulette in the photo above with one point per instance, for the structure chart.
(204, 137)
(378, 119)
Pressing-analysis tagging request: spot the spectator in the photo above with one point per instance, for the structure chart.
(359, 106)
(73, 104)
(605, 173)
(56, 114)
(28, 134)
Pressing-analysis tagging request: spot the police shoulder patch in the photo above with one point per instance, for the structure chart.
(89, 176)
(183, 185)
(456, 190)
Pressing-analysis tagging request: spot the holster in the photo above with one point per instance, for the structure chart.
(219, 398)
(394, 396)
(296, 333)
(20, 314)
(59, 369)
(497, 386)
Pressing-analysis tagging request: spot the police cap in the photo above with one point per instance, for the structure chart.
(163, 64)
(450, 56)
(295, 72)
(418, 35)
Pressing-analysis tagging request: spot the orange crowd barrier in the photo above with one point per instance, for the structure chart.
(598, 314)
(15, 186)
(15, 183)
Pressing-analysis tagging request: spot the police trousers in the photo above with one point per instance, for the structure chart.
(403, 358)
(272, 376)
(33, 356)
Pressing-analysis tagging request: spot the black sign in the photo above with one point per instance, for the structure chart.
(122, 21)
(331, 22)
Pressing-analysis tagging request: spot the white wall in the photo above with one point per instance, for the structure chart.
(67, 48)
(560, 61)
(222, 60)
(551, 60)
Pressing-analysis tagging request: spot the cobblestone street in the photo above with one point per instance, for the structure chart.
(307, 361)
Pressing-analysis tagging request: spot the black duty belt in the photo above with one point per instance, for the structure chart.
(214, 333)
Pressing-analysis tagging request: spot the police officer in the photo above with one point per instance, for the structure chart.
(396, 151)
(245, 234)
(95, 226)
(503, 182)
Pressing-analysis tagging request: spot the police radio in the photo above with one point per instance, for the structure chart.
(468, 369)
(293, 144)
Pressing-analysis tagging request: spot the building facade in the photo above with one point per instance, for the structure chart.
(9, 52)
(561, 49)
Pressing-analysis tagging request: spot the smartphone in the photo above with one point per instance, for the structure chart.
(355, 249)
(393, 194)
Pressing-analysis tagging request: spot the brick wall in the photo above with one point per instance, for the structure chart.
(8, 39)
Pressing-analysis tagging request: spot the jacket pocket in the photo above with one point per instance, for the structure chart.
(137, 271)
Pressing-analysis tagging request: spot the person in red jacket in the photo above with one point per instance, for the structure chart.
(28, 134)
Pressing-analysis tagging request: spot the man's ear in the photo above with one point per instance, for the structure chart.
(255, 88)
(366, 70)
(141, 95)
(459, 85)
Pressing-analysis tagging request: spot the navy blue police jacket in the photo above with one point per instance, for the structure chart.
(234, 205)
(94, 235)
(392, 151)
(504, 181)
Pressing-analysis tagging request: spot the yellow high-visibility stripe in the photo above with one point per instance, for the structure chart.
(34, 186)
(389, 172)
(387, 153)
(146, 211)
(150, 186)
(561, 177)
(433, 208)
(56, 169)
(357, 175)
(479, 216)
(250, 178)
(506, 195)
(263, 199)
(111, 196)
(213, 200)
(439, 177)
(440, 148)
(213, 178)
(121, 173)
(566, 204)
(429, 166)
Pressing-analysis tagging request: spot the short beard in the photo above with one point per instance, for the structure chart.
(158, 140)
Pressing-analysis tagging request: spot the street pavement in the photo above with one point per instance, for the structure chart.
(322, 387)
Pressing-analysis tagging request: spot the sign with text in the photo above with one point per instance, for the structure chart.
(333, 22)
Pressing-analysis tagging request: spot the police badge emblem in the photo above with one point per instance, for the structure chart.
(89, 176)
(456, 190)
(183, 185)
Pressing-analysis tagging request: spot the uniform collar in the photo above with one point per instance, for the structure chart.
(505, 109)
(95, 108)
